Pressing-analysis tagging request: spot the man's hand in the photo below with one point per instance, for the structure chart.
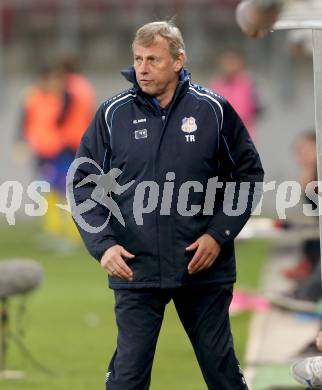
(113, 262)
(207, 252)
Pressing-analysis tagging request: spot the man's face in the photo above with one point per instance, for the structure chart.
(156, 71)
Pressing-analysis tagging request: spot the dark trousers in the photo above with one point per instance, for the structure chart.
(203, 311)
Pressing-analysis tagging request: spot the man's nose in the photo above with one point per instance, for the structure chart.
(144, 67)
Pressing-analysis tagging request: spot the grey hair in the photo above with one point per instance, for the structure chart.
(147, 34)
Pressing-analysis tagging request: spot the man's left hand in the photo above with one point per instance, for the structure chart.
(207, 252)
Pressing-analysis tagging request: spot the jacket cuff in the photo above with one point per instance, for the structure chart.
(220, 237)
(103, 247)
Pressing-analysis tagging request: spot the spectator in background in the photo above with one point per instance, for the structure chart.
(55, 113)
(83, 99)
(236, 85)
(307, 273)
(44, 110)
(305, 154)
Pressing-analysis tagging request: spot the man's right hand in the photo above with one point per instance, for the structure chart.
(112, 261)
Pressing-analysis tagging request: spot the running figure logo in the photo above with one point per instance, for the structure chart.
(106, 185)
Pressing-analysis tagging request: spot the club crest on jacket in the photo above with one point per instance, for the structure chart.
(189, 125)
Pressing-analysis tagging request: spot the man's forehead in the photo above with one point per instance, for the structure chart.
(159, 44)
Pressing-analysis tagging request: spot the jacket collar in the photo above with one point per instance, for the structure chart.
(182, 87)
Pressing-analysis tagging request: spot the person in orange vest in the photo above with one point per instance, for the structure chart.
(44, 109)
(56, 112)
(83, 105)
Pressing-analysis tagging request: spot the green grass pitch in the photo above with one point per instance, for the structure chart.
(69, 322)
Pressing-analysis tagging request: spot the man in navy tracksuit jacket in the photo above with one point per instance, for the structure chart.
(164, 139)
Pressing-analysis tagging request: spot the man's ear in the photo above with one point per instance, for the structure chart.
(179, 62)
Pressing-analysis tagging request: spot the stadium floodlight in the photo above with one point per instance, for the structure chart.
(298, 14)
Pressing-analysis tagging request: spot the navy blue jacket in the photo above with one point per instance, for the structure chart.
(130, 132)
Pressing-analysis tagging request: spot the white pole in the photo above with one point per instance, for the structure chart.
(317, 61)
(2, 65)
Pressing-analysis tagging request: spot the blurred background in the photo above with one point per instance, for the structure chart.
(99, 33)
(77, 48)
